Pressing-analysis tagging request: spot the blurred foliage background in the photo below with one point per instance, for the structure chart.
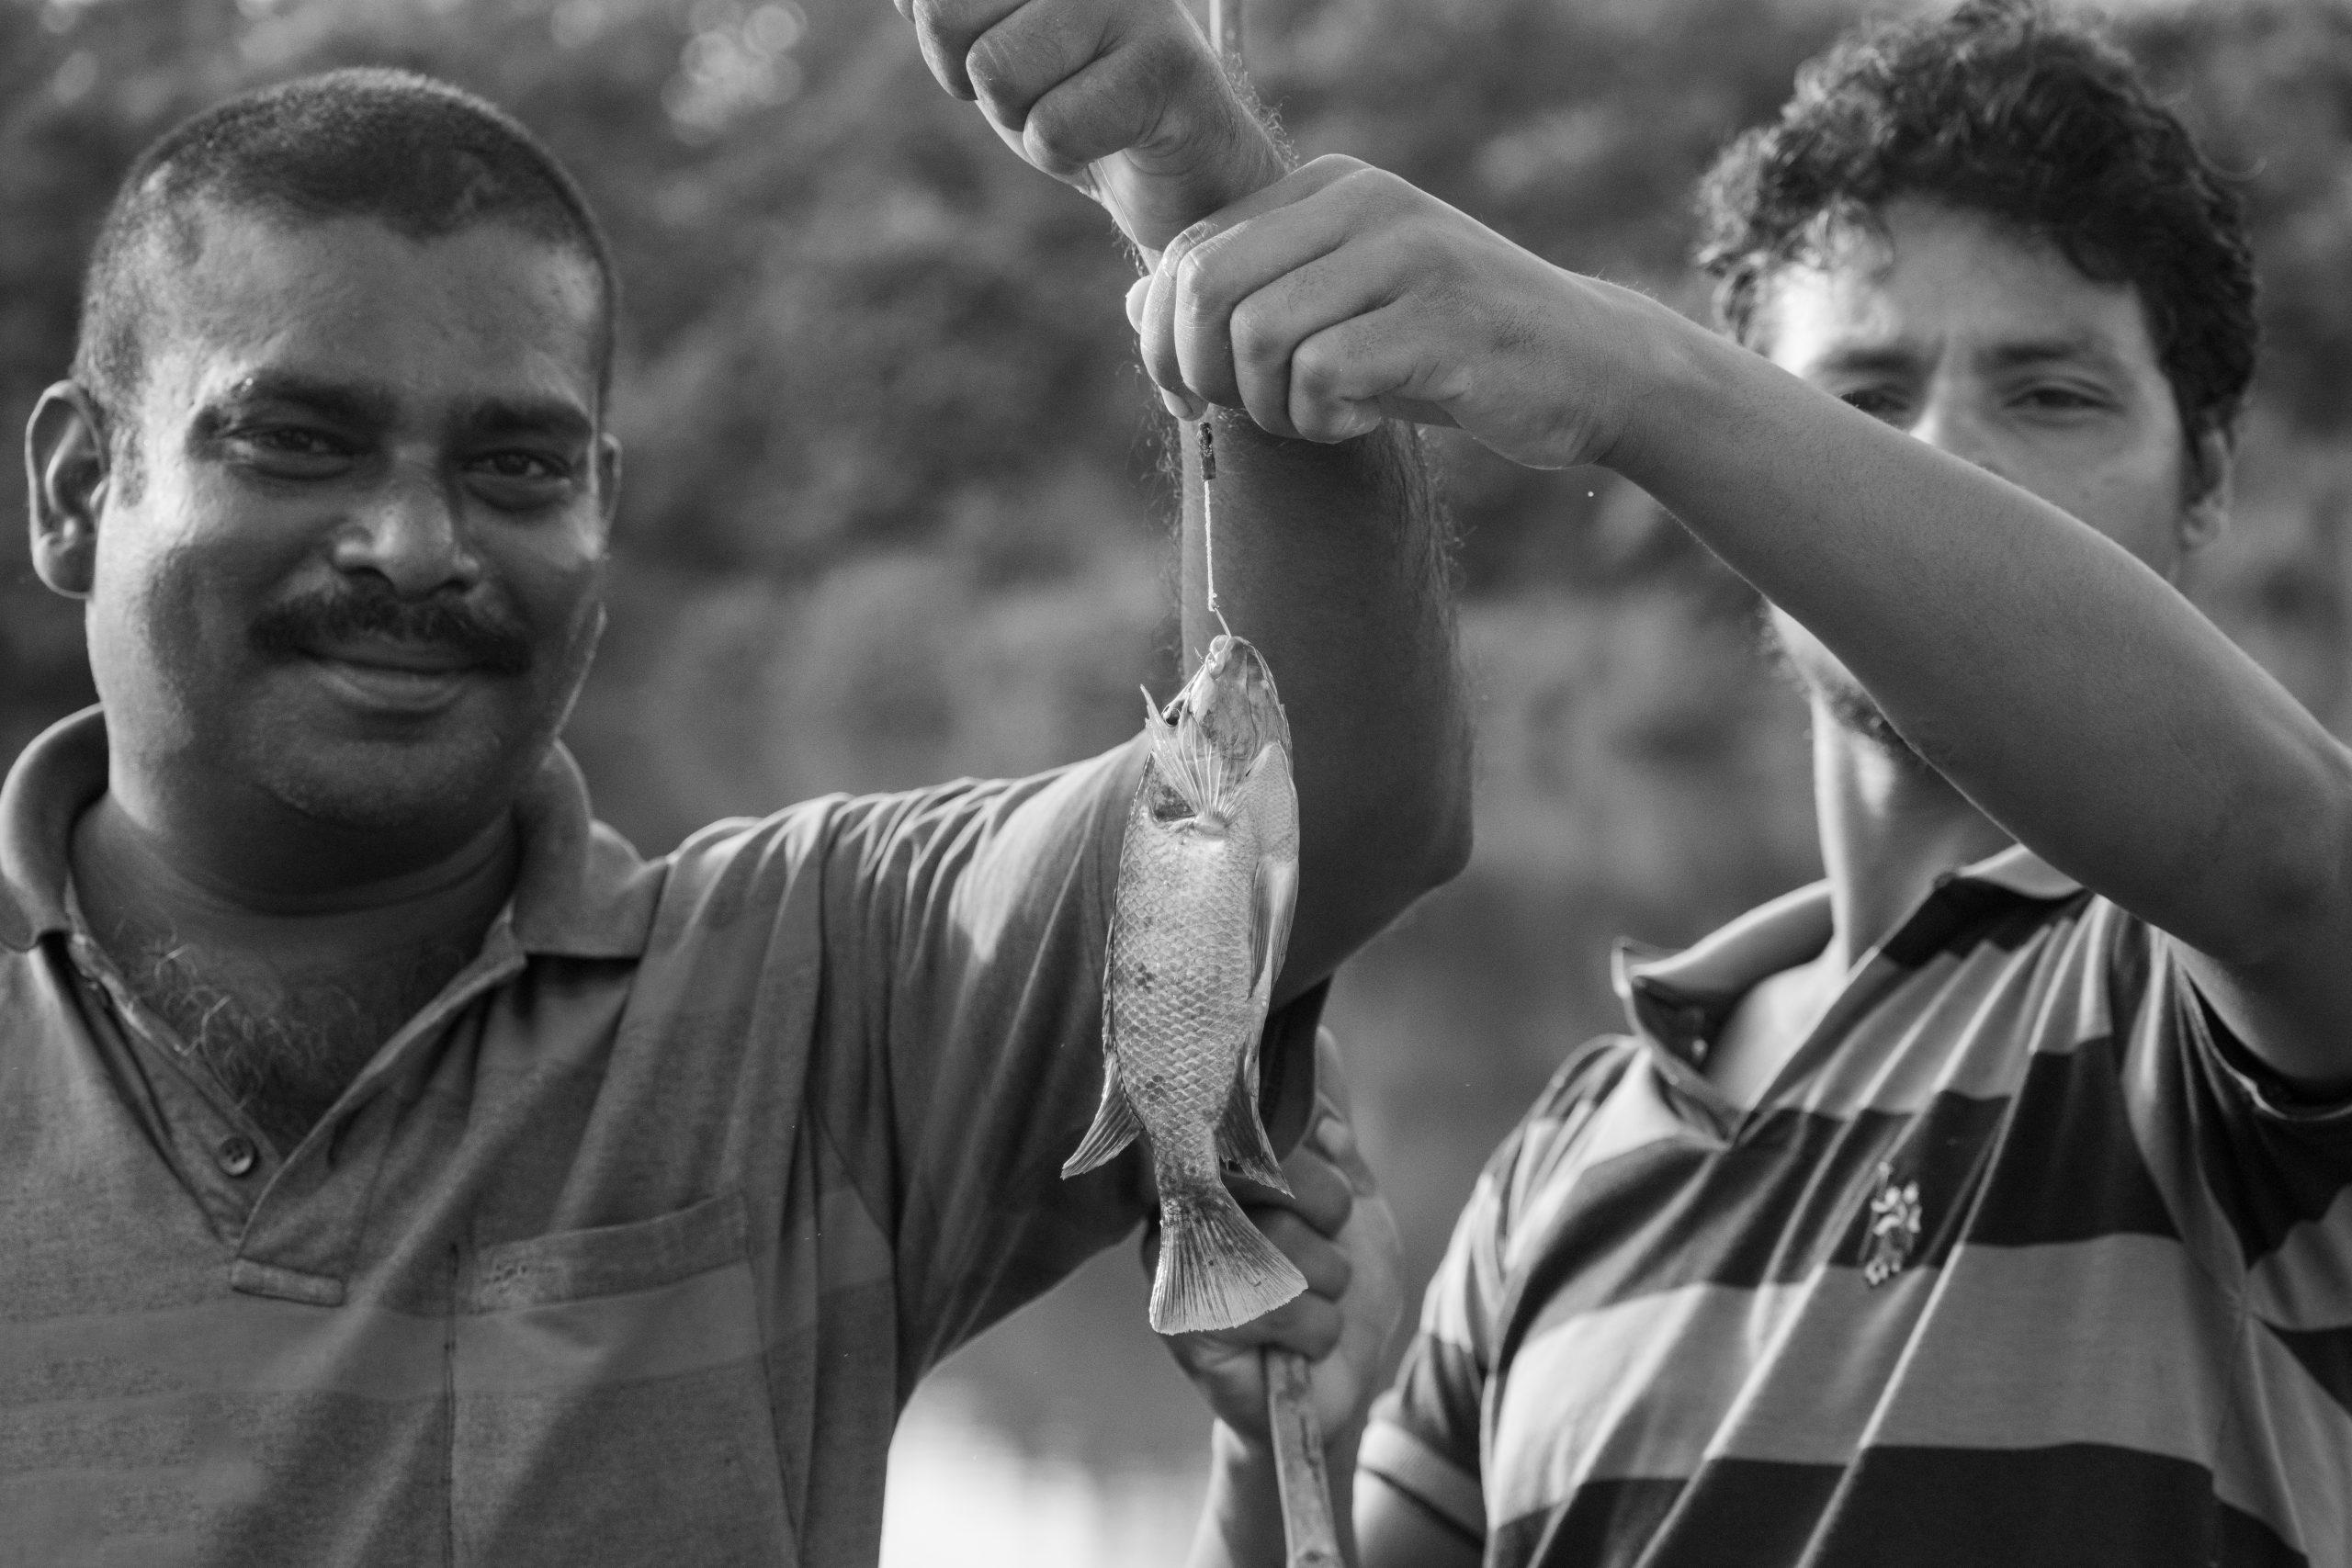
(894, 509)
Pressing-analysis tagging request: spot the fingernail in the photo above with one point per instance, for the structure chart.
(1184, 408)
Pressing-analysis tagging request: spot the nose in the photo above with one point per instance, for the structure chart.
(1950, 421)
(413, 533)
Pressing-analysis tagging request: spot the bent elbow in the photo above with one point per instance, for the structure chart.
(2296, 879)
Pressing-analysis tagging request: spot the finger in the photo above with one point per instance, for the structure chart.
(1027, 54)
(1319, 1192)
(1139, 292)
(1159, 327)
(1331, 1070)
(1328, 1268)
(1113, 101)
(1336, 1137)
(1310, 1325)
(944, 30)
(1236, 301)
(1343, 376)
(1269, 329)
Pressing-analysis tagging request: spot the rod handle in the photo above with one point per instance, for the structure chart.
(1313, 1540)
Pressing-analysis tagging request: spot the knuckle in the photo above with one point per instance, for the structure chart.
(1255, 337)
(987, 63)
(1316, 365)
(1184, 246)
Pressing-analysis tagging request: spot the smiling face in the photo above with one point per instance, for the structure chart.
(1990, 345)
(357, 578)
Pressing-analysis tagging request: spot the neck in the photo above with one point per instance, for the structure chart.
(1890, 825)
(151, 874)
(283, 995)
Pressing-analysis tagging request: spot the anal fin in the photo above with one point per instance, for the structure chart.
(1115, 1125)
(1242, 1146)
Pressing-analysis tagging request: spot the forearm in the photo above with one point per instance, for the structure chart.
(2070, 692)
(1332, 559)
(1241, 1520)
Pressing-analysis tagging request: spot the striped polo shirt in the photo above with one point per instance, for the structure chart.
(627, 1249)
(2020, 1262)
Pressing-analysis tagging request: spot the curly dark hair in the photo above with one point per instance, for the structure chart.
(2002, 108)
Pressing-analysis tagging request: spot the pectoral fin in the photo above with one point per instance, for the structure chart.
(1115, 1125)
(1274, 896)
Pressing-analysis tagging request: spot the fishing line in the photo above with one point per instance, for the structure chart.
(1208, 515)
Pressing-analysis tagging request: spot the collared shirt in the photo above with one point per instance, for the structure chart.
(2019, 1261)
(627, 1249)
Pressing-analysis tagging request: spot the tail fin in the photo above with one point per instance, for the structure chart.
(1217, 1269)
(1115, 1125)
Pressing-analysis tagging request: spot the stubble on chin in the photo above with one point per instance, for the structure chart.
(1832, 690)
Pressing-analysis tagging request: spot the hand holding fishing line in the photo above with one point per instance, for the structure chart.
(1340, 296)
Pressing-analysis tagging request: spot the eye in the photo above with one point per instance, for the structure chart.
(521, 465)
(291, 438)
(2058, 396)
(516, 479)
(1883, 403)
(290, 451)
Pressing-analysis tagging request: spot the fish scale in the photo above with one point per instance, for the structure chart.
(1208, 876)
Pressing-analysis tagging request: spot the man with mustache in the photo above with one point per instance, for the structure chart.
(397, 1168)
(1990, 1202)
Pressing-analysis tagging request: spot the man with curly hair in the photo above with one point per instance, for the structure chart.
(1991, 1201)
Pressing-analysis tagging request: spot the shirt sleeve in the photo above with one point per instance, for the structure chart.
(1424, 1433)
(2257, 1173)
(960, 1035)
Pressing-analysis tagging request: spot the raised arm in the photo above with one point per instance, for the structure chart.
(2066, 688)
(1330, 557)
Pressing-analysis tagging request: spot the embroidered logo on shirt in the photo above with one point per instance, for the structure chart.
(1894, 1228)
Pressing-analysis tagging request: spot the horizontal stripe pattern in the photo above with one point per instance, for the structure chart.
(2114, 1324)
(2071, 1508)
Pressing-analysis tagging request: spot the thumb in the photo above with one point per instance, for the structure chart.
(1335, 1127)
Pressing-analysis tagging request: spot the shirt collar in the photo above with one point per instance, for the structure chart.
(1680, 1000)
(581, 891)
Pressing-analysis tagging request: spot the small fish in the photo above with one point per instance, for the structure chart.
(1207, 880)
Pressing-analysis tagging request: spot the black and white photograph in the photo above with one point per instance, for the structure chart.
(1176, 784)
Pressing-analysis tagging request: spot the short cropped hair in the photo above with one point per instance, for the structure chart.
(2003, 110)
(421, 156)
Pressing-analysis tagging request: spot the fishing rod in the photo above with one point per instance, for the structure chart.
(1309, 1533)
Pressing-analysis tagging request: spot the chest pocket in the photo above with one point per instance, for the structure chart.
(609, 1399)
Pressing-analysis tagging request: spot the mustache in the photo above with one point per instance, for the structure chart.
(489, 641)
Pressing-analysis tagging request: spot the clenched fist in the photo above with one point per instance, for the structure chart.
(1122, 99)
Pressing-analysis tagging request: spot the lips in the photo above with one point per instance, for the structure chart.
(407, 658)
(403, 677)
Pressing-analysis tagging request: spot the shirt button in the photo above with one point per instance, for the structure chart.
(237, 1153)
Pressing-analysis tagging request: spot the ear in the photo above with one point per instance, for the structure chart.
(66, 476)
(608, 475)
(2205, 503)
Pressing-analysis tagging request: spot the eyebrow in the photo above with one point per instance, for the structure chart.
(2022, 353)
(346, 403)
(2043, 351)
(552, 417)
(371, 406)
(1897, 356)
